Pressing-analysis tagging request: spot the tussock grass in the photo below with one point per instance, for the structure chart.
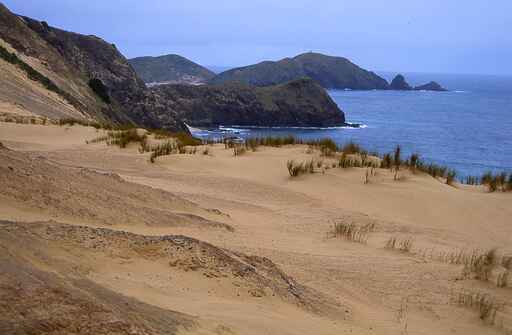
(121, 138)
(295, 169)
(497, 182)
(477, 264)
(184, 138)
(352, 231)
(163, 149)
(351, 148)
(486, 305)
(403, 245)
(450, 177)
(239, 149)
(480, 265)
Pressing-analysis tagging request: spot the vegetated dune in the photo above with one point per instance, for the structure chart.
(408, 271)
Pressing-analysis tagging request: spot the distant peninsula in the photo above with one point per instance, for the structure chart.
(330, 72)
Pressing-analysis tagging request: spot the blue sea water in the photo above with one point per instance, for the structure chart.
(468, 129)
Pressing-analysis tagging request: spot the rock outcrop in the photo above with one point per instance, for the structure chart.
(297, 103)
(329, 72)
(170, 69)
(432, 86)
(399, 84)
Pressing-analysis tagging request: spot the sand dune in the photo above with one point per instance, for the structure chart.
(302, 279)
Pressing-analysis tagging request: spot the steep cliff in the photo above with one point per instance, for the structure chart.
(298, 103)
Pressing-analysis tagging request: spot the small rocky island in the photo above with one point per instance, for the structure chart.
(400, 84)
(432, 86)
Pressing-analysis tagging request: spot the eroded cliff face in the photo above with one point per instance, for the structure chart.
(298, 103)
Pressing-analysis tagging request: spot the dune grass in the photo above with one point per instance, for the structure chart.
(402, 245)
(478, 264)
(163, 149)
(295, 169)
(121, 138)
(352, 231)
(486, 305)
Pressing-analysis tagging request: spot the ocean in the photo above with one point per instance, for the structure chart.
(468, 129)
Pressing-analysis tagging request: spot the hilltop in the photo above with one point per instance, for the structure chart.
(170, 69)
(328, 71)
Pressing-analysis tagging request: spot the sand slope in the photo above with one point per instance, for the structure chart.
(342, 286)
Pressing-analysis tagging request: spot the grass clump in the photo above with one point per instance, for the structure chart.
(450, 177)
(239, 149)
(403, 245)
(352, 232)
(184, 138)
(124, 137)
(163, 149)
(497, 182)
(485, 304)
(121, 138)
(295, 169)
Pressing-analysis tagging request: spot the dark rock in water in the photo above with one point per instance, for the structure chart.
(432, 86)
(299, 103)
(328, 71)
(400, 84)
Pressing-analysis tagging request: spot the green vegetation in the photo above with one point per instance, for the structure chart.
(100, 89)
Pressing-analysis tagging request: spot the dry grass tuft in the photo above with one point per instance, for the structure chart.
(480, 265)
(485, 304)
(295, 169)
(352, 231)
(403, 245)
(121, 138)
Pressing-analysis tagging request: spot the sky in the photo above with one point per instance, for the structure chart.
(434, 36)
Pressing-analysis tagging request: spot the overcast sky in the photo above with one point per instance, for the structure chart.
(446, 36)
